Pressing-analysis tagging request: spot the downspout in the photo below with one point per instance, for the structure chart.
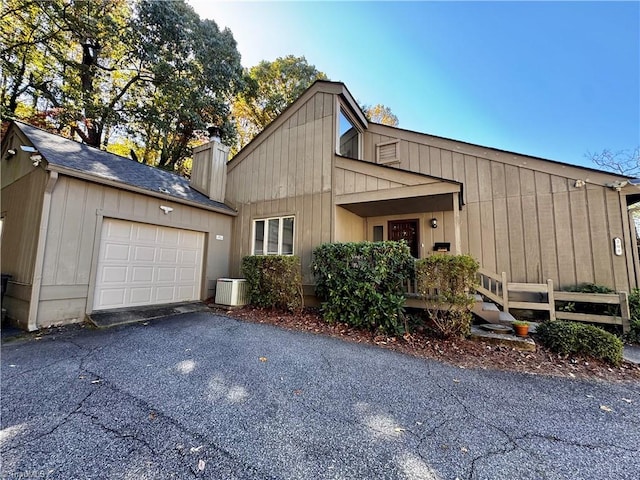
(34, 303)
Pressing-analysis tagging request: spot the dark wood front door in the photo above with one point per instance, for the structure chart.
(405, 230)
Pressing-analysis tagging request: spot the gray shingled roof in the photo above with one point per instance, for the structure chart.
(57, 150)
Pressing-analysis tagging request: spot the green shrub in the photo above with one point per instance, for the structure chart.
(633, 336)
(445, 283)
(273, 281)
(362, 283)
(592, 308)
(572, 337)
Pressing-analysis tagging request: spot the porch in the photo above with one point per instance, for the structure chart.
(376, 203)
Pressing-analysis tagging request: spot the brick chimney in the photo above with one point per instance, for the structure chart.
(209, 167)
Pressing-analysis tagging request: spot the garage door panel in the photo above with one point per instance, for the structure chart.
(144, 254)
(187, 275)
(168, 255)
(170, 237)
(113, 274)
(188, 257)
(114, 252)
(165, 295)
(141, 296)
(185, 292)
(142, 264)
(146, 233)
(142, 274)
(190, 240)
(120, 230)
(112, 297)
(167, 274)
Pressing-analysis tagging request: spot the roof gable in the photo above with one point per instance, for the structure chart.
(319, 86)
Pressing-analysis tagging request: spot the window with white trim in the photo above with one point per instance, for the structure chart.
(273, 236)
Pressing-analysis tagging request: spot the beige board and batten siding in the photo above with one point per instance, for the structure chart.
(288, 172)
(73, 240)
(209, 170)
(523, 215)
(22, 201)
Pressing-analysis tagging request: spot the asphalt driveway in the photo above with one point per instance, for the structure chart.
(206, 396)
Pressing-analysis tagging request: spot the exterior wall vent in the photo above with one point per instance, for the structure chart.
(387, 152)
(231, 292)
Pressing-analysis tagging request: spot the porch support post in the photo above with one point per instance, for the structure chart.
(457, 244)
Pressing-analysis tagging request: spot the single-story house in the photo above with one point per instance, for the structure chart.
(84, 230)
(321, 172)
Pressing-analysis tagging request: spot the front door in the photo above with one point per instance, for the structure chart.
(406, 230)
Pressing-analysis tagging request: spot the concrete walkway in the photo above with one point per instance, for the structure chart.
(631, 353)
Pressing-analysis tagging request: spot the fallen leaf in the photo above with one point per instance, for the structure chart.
(96, 381)
(455, 380)
(297, 392)
(263, 359)
(464, 450)
(201, 464)
(196, 449)
(398, 429)
(628, 400)
(605, 408)
(590, 396)
(152, 415)
(13, 366)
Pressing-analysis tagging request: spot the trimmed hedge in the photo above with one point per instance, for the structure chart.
(572, 337)
(445, 283)
(633, 336)
(273, 281)
(362, 283)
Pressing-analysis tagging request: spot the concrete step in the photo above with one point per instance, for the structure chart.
(526, 344)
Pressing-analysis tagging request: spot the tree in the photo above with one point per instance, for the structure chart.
(271, 87)
(74, 58)
(197, 71)
(624, 162)
(380, 114)
(103, 69)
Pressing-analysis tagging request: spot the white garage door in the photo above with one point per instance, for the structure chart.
(142, 264)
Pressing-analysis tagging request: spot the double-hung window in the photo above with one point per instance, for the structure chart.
(273, 236)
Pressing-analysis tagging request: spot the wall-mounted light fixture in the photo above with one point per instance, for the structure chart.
(434, 223)
(9, 153)
(579, 184)
(166, 209)
(36, 159)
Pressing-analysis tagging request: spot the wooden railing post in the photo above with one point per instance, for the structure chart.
(552, 301)
(625, 312)
(505, 293)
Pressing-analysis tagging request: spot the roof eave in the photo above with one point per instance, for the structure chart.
(132, 188)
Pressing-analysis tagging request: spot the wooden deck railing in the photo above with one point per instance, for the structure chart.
(496, 288)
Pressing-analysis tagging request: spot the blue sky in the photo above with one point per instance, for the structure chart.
(549, 79)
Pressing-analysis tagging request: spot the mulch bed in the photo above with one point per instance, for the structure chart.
(460, 352)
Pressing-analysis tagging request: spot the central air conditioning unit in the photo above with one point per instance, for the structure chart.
(231, 292)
